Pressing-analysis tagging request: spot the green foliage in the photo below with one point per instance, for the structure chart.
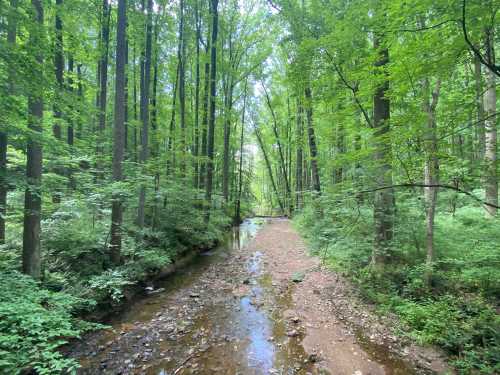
(455, 312)
(34, 322)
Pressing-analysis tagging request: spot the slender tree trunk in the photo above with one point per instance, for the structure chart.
(479, 109)
(119, 131)
(490, 123)
(431, 170)
(227, 139)
(211, 120)
(59, 71)
(280, 151)
(134, 70)
(181, 53)
(299, 141)
(313, 151)
(103, 82)
(126, 123)
(4, 186)
(196, 141)
(171, 135)
(384, 199)
(204, 124)
(144, 155)
(32, 197)
(269, 169)
(71, 129)
(237, 216)
(81, 101)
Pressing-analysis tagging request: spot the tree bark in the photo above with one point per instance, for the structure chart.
(383, 210)
(119, 132)
(204, 123)
(103, 70)
(479, 109)
(32, 197)
(211, 120)
(280, 151)
(181, 54)
(313, 151)
(269, 169)
(196, 141)
(490, 124)
(299, 142)
(237, 216)
(59, 71)
(71, 129)
(431, 170)
(4, 186)
(144, 155)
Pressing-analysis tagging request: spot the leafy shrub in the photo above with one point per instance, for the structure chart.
(109, 285)
(456, 311)
(34, 322)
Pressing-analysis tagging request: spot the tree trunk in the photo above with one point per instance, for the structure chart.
(237, 216)
(479, 109)
(227, 139)
(280, 151)
(32, 197)
(490, 124)
(211, 119)
(144, 155)
(181, 53)
(4, 186)
(81, 100)
(269, 169)
(119, 132)
(196, 141)
(299, 137)
(59, 71)
(383, 211)
(171, 134)
(313, 151)
(204, 124)
(71, 129)
(103, 70)
(431, 170)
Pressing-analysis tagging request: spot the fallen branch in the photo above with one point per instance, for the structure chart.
(183, 364)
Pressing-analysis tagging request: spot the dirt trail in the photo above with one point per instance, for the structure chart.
(346, 335)
(253, 306)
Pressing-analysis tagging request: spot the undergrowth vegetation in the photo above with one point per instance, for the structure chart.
(457, 311)
(37, 317)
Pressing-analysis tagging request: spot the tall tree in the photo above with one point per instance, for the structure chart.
(383, 210)
(4, 186)
(59, 71)
(103, 73)
(145, 86)
(490, 124)
(119, 131)
(211, 118)
(33, 193)
(313, 150)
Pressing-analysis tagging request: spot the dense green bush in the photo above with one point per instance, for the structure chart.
(34, 322)
(457, 311)
(36, 318)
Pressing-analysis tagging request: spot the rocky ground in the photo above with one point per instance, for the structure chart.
(262, 308)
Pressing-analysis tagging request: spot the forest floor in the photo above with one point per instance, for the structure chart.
(257, 305)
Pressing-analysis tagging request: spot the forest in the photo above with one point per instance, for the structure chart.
(134, 133)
